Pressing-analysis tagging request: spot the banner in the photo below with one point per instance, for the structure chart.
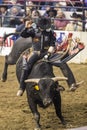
(60, 35)
(5, 49)
(82, 36)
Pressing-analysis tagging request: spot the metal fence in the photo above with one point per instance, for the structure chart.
(39, 5)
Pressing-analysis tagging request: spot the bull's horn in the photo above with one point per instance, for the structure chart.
(32, 80)
(37, 80)
(59, 78)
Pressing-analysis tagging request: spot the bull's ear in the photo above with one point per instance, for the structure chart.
(36, 87)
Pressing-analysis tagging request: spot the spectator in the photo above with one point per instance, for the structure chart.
(76, 24)
(30, 6)
(14, 2)
(27, 20)
(59, 22)
(13, 17)
(58, 7)
(11, 3)
(51, 13)
(28, 11)
(73, 4)
(62, 4)
(45, 4)
(3, 10)
(35, 16)
(47, 8)
(78, 3)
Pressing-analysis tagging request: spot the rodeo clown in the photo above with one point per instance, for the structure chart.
(43, 45)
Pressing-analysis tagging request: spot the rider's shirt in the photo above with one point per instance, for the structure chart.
(45, 40)
(42, 40)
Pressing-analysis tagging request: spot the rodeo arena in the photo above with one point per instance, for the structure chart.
(43, 63)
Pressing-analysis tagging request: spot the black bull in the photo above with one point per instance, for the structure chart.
(21, 45)
(42, 89)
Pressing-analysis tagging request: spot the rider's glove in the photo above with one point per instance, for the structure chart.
(46, 57)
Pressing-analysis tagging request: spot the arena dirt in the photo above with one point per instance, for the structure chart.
(16, 115)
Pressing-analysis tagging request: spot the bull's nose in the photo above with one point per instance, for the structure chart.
(47, 101)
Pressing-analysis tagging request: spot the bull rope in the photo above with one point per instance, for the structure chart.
(60, 57)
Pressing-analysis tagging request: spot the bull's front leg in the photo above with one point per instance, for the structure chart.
(37, 120)
(33, 107)
(57, 104)
(9, 60)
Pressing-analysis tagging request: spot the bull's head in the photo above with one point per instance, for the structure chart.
(46, 87)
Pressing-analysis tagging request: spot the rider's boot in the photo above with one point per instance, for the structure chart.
(71, 79)
(24, 74)
(27, 66)
(22, 83)
(73, 87)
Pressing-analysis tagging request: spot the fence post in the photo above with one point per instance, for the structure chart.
(83, 16)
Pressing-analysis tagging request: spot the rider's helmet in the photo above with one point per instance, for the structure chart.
(44, 23)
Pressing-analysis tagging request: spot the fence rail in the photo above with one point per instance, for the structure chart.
(83, 8)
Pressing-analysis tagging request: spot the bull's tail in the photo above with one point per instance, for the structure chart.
(7, 35)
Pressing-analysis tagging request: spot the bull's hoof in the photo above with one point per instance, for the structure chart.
(64, 123)
(69, 126)
(20, 92)
(3, 79)
(37, 128)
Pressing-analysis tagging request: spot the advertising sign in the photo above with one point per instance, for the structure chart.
(60, 36)
(6, 47)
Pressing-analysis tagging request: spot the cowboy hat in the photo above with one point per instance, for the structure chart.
(52, 12)
(4, 6)
(44, 23)
(74, 15)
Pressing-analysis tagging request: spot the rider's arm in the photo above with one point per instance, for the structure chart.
(51, 48)
(52, 38)
(29, 31)
(52, 43)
